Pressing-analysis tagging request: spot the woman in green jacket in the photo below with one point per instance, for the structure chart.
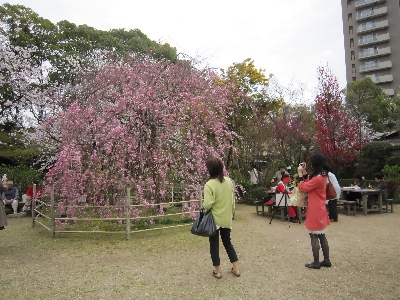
(219, 197)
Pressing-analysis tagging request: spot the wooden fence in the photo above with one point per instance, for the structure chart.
(39, 215)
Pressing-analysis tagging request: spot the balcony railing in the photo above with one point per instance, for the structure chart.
(380, 78)
(366, 26)
(362, 3)
(368, 52)
(373, 52)
(370, 26)
(365, 13)
(390, 92)
(373, 38)
(369, 66)
(367, 39)
(372, 12)
(375, 65)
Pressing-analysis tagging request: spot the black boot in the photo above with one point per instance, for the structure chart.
(325, 250)
(315, 251)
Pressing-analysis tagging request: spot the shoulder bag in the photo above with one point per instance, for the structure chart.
(330, 191)
(204, 224)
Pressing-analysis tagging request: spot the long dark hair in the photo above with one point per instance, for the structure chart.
(215, 168)
(319, 165)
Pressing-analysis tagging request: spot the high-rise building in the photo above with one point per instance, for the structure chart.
(371, 30)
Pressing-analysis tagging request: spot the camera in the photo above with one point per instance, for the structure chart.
(301, 165)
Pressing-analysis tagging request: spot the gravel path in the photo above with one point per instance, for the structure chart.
(174, 264)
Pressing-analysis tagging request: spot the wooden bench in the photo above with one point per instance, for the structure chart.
(388, 202)
(270, 210)
(351, 206)
(9, 210)
(281, 211)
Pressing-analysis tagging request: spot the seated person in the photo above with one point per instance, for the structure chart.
(360, 182)
(29, 195)
(281, 188)
(10, 197)
(380, 184)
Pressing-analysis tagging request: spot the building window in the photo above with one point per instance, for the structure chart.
(348, 3)
(350, 29)
(349, 17)
(353, 55)
(354, 79)
(351, 43)
(353, 68)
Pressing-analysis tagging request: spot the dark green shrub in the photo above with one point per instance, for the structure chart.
(373, 157)
(392, 177)
(393, 161)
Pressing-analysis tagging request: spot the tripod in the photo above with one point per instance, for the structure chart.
(284, 197)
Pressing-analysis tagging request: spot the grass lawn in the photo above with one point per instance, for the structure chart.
(174, 264)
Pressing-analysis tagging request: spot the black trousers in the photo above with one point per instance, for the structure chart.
(226, 241)
(332, 207)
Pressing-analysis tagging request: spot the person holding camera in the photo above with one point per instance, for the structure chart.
(301, 170)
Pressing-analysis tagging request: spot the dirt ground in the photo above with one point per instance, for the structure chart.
(174, 264)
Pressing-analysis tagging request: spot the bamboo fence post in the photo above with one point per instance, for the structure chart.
(128, 213)
(33, 205)
(52, 224)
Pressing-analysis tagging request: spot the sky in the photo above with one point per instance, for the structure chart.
(288, 38)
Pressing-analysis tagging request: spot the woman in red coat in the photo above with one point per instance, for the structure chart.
(317, 219)
(29, 195)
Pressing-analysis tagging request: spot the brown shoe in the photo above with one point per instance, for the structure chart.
(216, 275)
(237, 274)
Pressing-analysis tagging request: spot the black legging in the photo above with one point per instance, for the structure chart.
(226, 240)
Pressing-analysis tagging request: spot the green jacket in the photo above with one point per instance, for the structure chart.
(219, 197)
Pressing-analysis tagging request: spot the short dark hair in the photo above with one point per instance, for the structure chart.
(282, 167)
(285, 175)
(379, 175)
(358, 176)
(215, 168)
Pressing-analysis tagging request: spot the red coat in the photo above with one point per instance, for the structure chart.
(29, 192)
(316, 214)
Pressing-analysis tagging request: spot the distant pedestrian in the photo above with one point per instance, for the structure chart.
(254, 176)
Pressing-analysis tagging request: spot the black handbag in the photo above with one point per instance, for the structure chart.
(204, 224)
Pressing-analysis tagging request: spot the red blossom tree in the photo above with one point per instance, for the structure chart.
(337, 131)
